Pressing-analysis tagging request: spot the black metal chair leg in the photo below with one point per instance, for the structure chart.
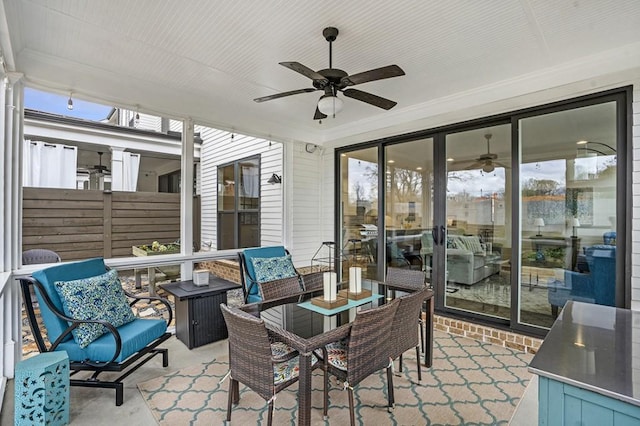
(400, 364)
(236, 392)
(325, 407)
(119, 394)
(352, 414)
(230, 400)
(418, 363)
(270, 417)
(390, 395)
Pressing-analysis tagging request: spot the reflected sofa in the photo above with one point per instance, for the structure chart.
(468, 261)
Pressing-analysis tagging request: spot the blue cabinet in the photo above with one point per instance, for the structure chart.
(563, 404)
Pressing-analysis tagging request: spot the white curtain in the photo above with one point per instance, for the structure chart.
(130, 168)
(49, 165)
(250, 181)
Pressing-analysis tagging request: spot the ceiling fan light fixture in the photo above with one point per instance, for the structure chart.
(330, 105)
(488, 167)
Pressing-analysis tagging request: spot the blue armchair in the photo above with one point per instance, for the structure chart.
(76, 302)
(597, 286)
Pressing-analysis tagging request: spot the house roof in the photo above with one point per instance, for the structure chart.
(209, 60)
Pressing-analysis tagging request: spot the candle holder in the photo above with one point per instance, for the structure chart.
(329, 298)
(355, 291)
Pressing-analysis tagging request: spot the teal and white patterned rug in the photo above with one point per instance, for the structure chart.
(470, 383)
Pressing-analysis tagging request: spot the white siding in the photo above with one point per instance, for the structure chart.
(311, 202)
(218, 148)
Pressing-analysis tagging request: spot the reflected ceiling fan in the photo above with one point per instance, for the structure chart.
(333, 80)
(99, 169)
(487, 162)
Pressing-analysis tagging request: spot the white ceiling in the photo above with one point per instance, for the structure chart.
(209, 59)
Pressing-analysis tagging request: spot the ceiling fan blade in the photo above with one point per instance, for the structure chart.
(304, 70)
(474, 166)
(283, 94)
(318, 115)
(369, 98)
(372, 75)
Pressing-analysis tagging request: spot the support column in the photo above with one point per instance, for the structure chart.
(10, 203)
(186, 198)
(117, 168)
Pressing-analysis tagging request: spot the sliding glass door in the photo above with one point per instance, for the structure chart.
(478, 221)
(568, 193)
(509, 218)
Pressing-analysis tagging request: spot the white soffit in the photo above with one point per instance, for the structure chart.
(208, 60)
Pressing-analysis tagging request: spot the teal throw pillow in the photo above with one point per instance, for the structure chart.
(273, 268)
(96, 298)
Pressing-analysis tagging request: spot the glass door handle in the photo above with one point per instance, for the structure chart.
(443, 232)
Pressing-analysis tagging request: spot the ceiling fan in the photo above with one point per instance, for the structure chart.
(333, 80)
(487, 161)
(99, 168)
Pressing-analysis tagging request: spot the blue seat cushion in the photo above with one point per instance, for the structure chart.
(260, 252)
(135, 336)
(65, 272)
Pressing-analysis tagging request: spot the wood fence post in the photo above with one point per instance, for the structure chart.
(107, 215)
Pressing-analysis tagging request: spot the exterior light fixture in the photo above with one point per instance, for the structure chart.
(70, 103)
(274, 179)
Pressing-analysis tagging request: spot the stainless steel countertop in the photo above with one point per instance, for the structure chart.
(593, 347)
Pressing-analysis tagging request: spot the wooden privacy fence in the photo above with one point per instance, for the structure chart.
(79, 224)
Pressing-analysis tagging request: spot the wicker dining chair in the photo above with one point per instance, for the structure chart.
(38, 256)
(313, 281)
(404, 331)
(255, 360)
(279, 288)
(365, 351)
(411, 280)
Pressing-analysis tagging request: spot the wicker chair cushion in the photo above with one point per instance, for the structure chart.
(94, 298)
(285, 371)
(337, 354)
(273, 268)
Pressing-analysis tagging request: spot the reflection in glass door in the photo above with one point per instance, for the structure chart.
(478, 225)
(409, 205)
(359, 210)
(568, 211)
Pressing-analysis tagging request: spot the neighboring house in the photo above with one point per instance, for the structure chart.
(155, 143)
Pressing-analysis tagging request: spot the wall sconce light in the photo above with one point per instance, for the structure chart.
(70, 103)
(539, 222)
(274, 179)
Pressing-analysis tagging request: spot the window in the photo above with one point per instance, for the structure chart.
(169, 182)
(239, 204)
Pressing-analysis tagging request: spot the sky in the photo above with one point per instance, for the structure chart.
(57, 104)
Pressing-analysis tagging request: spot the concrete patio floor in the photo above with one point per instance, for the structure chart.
(96, 407)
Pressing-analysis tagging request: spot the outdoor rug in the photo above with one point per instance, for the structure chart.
(470, 383)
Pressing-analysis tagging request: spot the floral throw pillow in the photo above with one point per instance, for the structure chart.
(97, 298)
(273, 268)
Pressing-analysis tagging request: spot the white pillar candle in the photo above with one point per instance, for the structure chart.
(329, 280)
(355, 279)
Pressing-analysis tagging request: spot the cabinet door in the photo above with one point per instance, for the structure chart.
(206, 319)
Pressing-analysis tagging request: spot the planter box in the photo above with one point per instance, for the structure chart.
(137, 251)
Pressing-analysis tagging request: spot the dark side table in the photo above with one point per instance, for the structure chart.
(198, 315)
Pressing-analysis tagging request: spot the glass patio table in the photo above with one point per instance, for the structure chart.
(307, 328)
